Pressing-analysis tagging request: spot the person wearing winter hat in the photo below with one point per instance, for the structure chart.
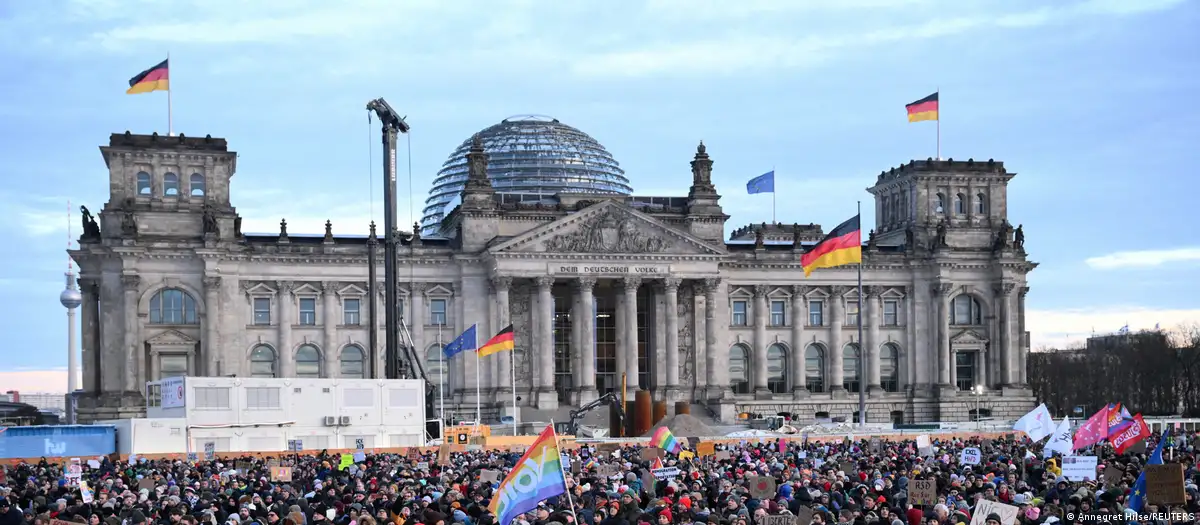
(992, 519)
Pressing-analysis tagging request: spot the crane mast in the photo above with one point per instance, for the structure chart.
(393, 125)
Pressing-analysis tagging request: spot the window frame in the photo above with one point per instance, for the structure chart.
(274, 361)
(255, 311)
(974, 310)
(434, 313)
(362, 362)
(741, 386)
(302, 313)
(781, 383)
(852, 315)
(745, 313)
(815, 383)
(778, 317)
(202, 186)
(317, 359)
(145, 184)
(818, 312)
(352, 316)
(895, 314)
(158, 308)
(171, 183)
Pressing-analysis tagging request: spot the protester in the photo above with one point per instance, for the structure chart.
(821, 483)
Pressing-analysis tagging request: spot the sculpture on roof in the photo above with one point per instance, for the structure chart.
(760, 238)
(1019, 239)
(210, 221)
(91, 230)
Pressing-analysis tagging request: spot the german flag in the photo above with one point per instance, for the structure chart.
(501, 342)
(842, 246)
(156, 78)
(924, 109)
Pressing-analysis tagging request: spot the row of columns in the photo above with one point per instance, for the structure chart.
(1006, 352)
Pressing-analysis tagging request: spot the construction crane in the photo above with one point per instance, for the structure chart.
(393, 125)
(606, 399)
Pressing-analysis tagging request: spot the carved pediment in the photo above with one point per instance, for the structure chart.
(968, 337)
(172, 338)
(607, 227)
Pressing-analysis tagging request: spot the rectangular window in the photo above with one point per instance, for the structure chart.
(262, 398)
(211, 397)
(350, 312)
(739, 313)
(852, 313)
(308, 311)
(172, 365)
(153, 396)
(358, 398)
(262, 311)
(891, 313)
(816, 313)
(778, 313)
(437, 312)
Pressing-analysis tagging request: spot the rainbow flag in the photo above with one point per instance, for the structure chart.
(537, 477)
(657, 464)
(664, 439)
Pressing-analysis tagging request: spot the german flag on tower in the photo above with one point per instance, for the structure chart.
(156, 78)
(501, 342)
(842, 246)
(924, 109)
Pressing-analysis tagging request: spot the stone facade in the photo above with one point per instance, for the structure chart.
(595, 287)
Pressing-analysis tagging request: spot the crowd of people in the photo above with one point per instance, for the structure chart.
(807, 483)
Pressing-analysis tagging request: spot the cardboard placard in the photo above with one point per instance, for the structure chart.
(146, 483)
(650, 453)
(607, 448)
(444, 454)
(922, 492)
(762, 487)
(876, 446)
(706, 448)
(779, 519)
(413, 454)
(685, 455)
(489, 476)
(1113, 475)
(804, 516)
(281, 474)
(983, 507)
(723, 455)
(1164, 484)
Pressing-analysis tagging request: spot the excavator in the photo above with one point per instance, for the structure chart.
(572, 426)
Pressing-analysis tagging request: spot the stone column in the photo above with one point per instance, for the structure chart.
(89, 344)
(504, 384)
(981, 377)
(134, 364)
(671, 325)
(837, 315)
(1006, 346)
(416, 319)
(799, 378)
(716, 389)
(287, 357)
(874, 304)
(587, 340)
(631, 285)
(619, 328)
(212, 326)
(546, 396)
(156, 367)
(941, 297)
(1020, 353)
(329, 324)
(759, 357)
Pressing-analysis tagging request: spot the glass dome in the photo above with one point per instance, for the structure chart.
(531, 155)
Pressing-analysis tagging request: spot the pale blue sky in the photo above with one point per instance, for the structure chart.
(1092, 103)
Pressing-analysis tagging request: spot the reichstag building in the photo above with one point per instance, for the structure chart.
(532, 222)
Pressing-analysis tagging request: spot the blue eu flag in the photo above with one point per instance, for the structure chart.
(1138, 498)
(764, 183)
(466, 341)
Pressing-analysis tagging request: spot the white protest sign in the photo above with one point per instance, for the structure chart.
(970, 456)
(1079, 468)
(664, 473)
(983, 507)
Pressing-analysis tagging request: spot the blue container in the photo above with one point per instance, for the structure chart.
(68, 441)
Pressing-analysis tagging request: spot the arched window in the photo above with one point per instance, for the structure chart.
(940, 206)
(173, 306)
(960, 204)
(262, 361)
(814, 368)
(171, 184)
(850, 360)
(196, 185)
(739, 369)
(352, 361)
(777, 369)
(143, 183)
(435, 366)
(965, 310)
(308, 362)
(889, 367)
(980, 204)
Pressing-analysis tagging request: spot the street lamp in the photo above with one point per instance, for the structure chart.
(977, 391)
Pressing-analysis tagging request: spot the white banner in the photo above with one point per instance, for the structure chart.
(970, 456)
(1079, 468)
(172, 392)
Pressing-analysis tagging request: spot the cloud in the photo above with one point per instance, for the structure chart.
(1143, 258)
(39, 216)
(1064, 328)
(30, 381)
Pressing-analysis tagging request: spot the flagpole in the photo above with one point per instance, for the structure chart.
(512, 368)
(478, 418)
(566, 488)
(862, 353)
(939, 124)
(441, 380)
(170, 124)
(772, 194)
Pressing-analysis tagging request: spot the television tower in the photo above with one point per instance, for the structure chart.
(71, 299)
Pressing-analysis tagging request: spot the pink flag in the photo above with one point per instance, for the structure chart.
(1093, 431)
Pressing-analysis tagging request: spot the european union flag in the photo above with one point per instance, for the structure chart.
(466, 341)
(1137, 499)
(764, 183)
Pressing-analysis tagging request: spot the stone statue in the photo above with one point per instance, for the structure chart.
(1019, 239)
(910, 238)
(210, 221)
(416, 233)
(871, 240)
(237, 227)
(91, 230)
(129, 225)
(328, 230)
(283, 236)
(941, 234)
(795, 235)
(759, 239)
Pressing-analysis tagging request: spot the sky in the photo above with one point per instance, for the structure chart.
(1091, 102)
